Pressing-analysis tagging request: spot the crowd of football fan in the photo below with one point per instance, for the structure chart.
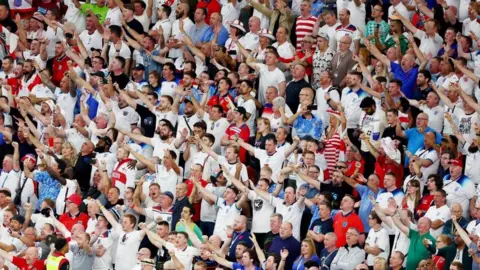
(240, 134)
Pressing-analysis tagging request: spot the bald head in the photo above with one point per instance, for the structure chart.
(215, 240)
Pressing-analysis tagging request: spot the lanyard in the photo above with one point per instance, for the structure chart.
(5, 179)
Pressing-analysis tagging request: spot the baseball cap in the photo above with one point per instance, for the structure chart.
(324, 35)
(31, 158)
(241, 110)
(456, 162)
(169, 194)
(139, 67)
(74, 198)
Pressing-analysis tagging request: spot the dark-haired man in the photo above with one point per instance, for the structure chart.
(372, 125)
(57, 260)
(117, 48)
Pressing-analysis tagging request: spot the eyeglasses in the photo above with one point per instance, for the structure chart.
(314, 172)
(339, 167)
(423, 119)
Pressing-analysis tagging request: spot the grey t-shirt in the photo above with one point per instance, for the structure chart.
(81, 259)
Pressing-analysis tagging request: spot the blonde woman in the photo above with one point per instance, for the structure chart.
(307, 253)
(69, 154)
(263, 130)
(380, 264)
(380, 70)
(412, 197)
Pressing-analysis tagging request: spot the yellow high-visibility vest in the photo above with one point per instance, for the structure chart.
(53, 262)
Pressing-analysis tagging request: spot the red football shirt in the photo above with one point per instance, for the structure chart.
(59, 67)
(69, 220)
(197, 205)
(220, 100)
(342, 223)
(212, 6)
(21, 263)
(243, 133)
(381, 169)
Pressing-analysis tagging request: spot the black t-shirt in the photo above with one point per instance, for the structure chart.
(121, 79)
(293, 92)
(83, 171)
(268, 240)
(148, 120)
(135, 25)
(321, 227)
(338, 192)
(109, 205)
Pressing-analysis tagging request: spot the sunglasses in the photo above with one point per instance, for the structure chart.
(339, 167)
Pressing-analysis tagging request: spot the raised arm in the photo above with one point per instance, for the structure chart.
(247, 146)
(205, 193)
(222, 261)
(376, 53)
(137, 137)
(442, 96)
(153, 237)
(406, 22)
(108, 215)
(404, 229)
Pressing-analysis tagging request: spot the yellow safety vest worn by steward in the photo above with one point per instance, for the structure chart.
(53, 262)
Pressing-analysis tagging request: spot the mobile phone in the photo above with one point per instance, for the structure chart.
(312, 107)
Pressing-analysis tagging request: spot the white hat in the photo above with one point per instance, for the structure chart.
(390, 150)
(266, 33)
(237, 24)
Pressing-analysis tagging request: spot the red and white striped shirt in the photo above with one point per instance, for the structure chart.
(332, 151)
(303, 28)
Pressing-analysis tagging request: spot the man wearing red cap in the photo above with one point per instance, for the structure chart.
(460, 189)
(73, 216)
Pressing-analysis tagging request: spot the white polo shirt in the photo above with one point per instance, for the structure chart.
(378, 239)
(67, 190)
(226, 216)
(10, 180)
(251, 41)
(187, 25)
(124, 51)
(429, 45)
(291, 213)
(95, 40)
(274, 161)
(441, 213)
(113, 16)
(167, 180)
(217, 129)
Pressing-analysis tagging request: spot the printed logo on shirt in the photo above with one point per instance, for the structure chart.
(258, 204)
